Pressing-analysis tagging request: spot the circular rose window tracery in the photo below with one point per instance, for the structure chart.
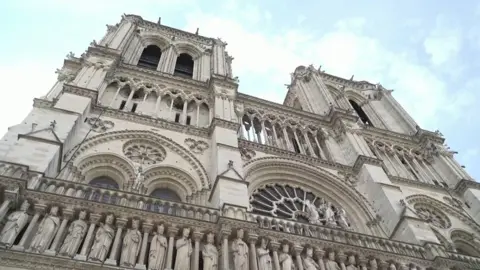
(432, 216)
(144, 152)
(295, 203)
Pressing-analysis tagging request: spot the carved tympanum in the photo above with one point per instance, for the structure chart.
(144, 152)
(295, 203)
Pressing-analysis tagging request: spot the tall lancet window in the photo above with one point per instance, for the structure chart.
(184, 65)
(361, 113)
(150, 57)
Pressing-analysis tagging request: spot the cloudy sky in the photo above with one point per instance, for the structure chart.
(425, 50)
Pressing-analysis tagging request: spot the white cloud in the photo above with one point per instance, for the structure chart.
(443, 43)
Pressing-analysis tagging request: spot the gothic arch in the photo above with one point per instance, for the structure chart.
(268, 170)
(188, 48)
(465, 243)
(355, 96)
(172, 178)
(105, 164)
(450, 211)
(154, 39)
(198, 170)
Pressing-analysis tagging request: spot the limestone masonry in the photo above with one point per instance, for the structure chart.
(144, 155)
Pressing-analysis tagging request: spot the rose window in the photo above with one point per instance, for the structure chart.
(432, 216)
(295, 203)
(144, 152)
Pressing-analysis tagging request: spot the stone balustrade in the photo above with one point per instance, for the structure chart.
(337, 235)
(127, 199)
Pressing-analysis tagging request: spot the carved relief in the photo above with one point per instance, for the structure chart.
(197, 147)
(295, 203)
(453, 202)
(247, 154)
(432, 216)
(144, 152)
(99, 125)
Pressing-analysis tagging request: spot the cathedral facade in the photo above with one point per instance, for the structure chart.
(144, 155)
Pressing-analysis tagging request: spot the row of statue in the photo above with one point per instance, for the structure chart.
(157, 255)
(329, 217)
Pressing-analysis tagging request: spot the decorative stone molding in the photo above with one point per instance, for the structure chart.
(432, 216)
(197, 146)
(453, 202)
(247, 154)
(80, 91)
(144, 152)
(99, 125)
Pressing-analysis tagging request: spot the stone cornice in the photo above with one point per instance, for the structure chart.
(102, 51)
(362, 160)
(158, 76)
(223, 81)
(465, 184)
(217, 122)
(408, 182)
(291, 155)
(151, 121)
(360, 85)
(42, 103)
(81, 91)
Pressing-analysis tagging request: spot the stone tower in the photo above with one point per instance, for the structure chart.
(144, 153)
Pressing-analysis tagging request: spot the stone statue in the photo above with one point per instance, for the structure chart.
(240, 252)
(15, 223)
(285, 260)
(46, 231)
(351, 263)
(342, 219)
(132, 241)
(329, 215)
(138, 184)
(263, 254)
(158, 250)
(75, 235)
(331, 264)
(184, 250)
(392, 267)
(313, 216)
(308, 261)
(103, 240)
(210, 254)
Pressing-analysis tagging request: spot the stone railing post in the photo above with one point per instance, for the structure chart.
(197, 236)
(276, 262)
(252, 240)
(67, 215)
(341, 259)
(298, 256)
(172, 231)
(225, 234)
(120, 223)
(319, 252)
(94, 218)
(147, 227)
(39, 210)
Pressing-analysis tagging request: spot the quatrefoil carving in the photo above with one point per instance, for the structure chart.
(198, 147)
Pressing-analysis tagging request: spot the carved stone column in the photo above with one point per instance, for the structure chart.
(319, 252)
(362, 262)
(4, 209)
(112, 260)
(275, 245)
(252, 239)
(341, 260)
(225, 264)
(147, 227)
(39, 210)
(88, 238)
(197, 236)
(172, 231)
(298, 251)
(67, 215)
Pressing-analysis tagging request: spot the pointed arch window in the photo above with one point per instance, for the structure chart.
(184, 66)
(150, 57)
(361, 113)
(104, 182)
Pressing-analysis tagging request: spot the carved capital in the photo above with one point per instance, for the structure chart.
(319, 252)
(252, 238)
(274, 245)
(94, 218)
(147, 227)
(172, 231)
(341, 257)
(297, 248)
(68, 213)
(121, 222)
(39, 208)
(197, 236)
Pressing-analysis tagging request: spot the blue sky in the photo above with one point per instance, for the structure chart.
(427, 51)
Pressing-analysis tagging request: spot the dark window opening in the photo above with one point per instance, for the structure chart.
(166, 194)
(136, 95)
(122, 105)
(468, 205)
(295, 146)
(363, 116)
(134, 107)
(103, 182)
(184, 66)
(178, 104)
(150, 57)
(188, 120)
(177, 117)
